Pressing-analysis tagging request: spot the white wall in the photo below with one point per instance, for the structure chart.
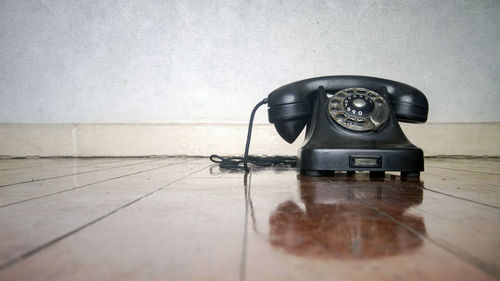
(211, 61)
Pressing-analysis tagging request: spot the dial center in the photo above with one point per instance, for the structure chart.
(359, 103)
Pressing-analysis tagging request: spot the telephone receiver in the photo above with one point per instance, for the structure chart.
(352, 124)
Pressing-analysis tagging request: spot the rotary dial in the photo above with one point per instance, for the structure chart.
(358, 109)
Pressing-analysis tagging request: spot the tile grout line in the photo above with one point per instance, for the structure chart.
(464, 256)
(81, 173)
(462, 170)
(461, 198)
(243, 259)
(76, 230)
(493, 184)
(78, 166)
(89, 184)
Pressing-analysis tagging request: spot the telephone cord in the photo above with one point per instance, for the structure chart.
(234, 162)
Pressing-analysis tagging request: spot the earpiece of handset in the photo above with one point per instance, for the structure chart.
(410, 106)
(289, 112)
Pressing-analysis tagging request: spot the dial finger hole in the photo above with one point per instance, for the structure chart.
(340, 117)
(335, 102)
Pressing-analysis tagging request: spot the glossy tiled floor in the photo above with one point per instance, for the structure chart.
(184, 219)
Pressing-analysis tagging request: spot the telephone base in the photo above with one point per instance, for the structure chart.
(325, 162)
(373, 175)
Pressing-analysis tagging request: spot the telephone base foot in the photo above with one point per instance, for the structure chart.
(318, 173)
(377, 174)
(410, 174)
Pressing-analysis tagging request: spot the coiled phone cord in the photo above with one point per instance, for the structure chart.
(234, 162)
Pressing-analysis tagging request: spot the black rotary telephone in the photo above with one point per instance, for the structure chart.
(352, 124)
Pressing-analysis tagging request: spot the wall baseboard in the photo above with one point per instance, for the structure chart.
(20, 140)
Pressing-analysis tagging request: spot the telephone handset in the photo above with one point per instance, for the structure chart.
(352, 123)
